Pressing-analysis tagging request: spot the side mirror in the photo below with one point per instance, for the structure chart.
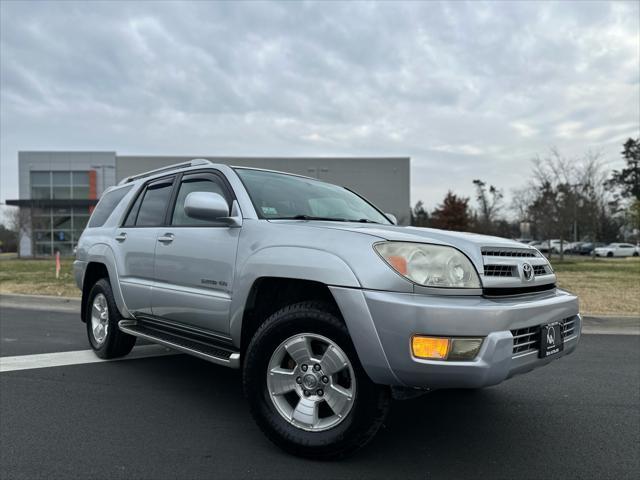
(212, 207)
(392, 217)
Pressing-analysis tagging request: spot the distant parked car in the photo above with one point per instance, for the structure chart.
(543, 247)
(617, 250)
(554, 246)
(588, 247)
(575, 248)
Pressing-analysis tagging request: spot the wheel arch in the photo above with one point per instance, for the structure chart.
(269, 294)
(101, 264)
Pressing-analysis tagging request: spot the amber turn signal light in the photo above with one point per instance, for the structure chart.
(432, 348)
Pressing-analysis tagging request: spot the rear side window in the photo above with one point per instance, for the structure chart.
(154, 204)
(106, 206)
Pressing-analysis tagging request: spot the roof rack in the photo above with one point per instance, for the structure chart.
(191, 163)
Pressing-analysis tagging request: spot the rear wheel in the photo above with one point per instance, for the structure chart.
(102, 315)
(305, 386)
(610, 254)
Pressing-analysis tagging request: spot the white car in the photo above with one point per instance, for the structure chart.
(617, 250)
(554, 245)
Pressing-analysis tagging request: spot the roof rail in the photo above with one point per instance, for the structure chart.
(190, 163)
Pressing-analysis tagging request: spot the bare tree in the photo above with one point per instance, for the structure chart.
(19, 221)
(490, 201)
(571, 199)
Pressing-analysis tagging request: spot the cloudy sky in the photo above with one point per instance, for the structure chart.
(467, 90)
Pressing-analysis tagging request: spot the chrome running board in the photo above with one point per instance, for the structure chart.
(219, 354)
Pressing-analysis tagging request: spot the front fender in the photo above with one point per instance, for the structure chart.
(102, 253)
(302, 263)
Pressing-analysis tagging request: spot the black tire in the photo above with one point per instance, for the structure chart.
(117, 343)
(371, 402)
(635, 254)
(610, 254)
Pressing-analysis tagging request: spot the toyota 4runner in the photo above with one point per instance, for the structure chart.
(327, 307)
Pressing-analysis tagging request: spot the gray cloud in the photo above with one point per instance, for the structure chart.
(466, 89)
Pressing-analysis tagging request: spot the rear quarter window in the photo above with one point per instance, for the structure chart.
(107, 205)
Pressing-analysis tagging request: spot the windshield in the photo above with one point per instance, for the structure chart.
(282, 196)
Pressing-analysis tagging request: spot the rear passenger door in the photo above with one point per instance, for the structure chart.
(195, 261)
(136, 243)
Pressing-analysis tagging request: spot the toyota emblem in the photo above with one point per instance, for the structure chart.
(527, 272)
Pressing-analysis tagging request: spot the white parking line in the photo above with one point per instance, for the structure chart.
(78, 357)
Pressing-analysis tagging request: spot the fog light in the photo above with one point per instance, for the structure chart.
(438, 348)
(464, 348)
(432, 348)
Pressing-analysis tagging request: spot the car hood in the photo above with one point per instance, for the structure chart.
(469, 243)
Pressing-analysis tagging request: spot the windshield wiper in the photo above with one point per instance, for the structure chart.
(309, 217)
(364, 220)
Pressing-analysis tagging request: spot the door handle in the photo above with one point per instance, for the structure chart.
(121, 237)
(166, 238)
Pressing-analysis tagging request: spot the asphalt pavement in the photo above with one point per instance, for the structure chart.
(181, 417)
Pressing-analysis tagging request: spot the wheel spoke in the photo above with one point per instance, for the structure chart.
(281, 381)
(299, 349)
(306, 412)
(332, 361)
(96, 310)
(97, 331)
(338, 399)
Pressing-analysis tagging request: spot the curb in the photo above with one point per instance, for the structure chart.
(39, 302)
(591, 324)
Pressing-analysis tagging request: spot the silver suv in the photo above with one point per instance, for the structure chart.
(327, 307)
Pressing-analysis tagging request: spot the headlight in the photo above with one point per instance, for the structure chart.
(429, 265)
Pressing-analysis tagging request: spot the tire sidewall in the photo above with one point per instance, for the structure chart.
(279, 328)
(102, 286)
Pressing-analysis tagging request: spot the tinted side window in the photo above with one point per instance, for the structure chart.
(133, 213)
(195, 185)
(106, 205)
(154, 204)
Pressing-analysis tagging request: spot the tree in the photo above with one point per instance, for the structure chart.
(419, 216)
(571, 199)
(19, 222)
(490, 201)
(628, 179)
(452, 214)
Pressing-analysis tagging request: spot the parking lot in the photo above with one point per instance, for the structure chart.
(174, 416)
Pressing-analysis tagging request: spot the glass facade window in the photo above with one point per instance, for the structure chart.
(58, 229)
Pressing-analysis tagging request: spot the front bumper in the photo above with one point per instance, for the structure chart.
(382, 324)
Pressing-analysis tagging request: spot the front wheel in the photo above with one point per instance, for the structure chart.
(106, 339)
(305, 385)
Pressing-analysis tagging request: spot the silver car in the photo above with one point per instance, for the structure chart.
(328, 307)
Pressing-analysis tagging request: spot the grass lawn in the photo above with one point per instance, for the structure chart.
(37, 277)
(604, 286)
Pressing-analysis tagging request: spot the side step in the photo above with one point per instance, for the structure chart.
(212, 353)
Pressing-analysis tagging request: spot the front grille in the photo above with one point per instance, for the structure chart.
(541, 270)
(527, 340)
(507, 291)
(500, 271)
(509, 252)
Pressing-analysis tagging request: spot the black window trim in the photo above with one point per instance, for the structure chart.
(177, 180)
(141, 192)
(206, 174)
